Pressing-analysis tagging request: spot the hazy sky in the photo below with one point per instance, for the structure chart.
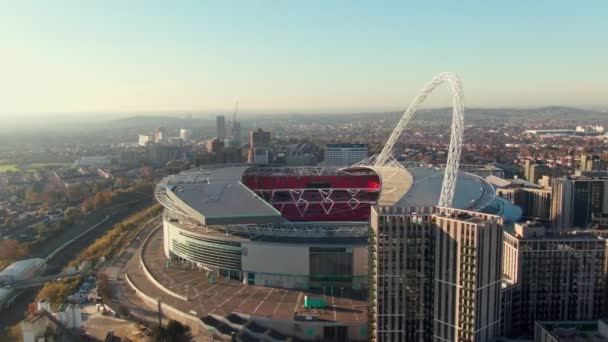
(75, 56)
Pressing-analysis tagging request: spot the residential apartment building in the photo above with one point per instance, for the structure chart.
(555, 276)
(575, 199)
(435, 274)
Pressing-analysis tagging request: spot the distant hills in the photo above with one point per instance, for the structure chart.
(155, 121)
(549, 112)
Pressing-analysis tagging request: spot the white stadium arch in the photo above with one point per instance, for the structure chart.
(449, 179)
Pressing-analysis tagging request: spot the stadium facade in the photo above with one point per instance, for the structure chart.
(297, 227)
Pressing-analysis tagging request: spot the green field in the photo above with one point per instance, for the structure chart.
(34, 166)
(8, 167)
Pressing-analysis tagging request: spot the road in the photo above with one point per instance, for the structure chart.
(70, 252)
(36, 282)
(115, 271)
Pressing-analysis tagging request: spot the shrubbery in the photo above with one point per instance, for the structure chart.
(57, 292)
(108, 243)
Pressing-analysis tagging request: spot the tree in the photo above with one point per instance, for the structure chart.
(173, 332)
(146, 188)
(88, 206)
(69, 213)
(12, 250)
(9, 220)
(31, 195)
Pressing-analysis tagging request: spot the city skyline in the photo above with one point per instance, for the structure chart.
(289, 57)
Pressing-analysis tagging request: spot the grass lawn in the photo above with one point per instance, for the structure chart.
(9, 167)
(42, 165)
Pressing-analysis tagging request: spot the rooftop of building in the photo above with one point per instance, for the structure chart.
(18, 267)
(588, 175)
(344, 145)
(548, 235)
(506, 183)
(464, 215)
(575, 331)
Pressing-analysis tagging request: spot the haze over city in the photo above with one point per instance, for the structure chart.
(113, 56)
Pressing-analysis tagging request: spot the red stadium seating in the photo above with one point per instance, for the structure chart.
(318, 198)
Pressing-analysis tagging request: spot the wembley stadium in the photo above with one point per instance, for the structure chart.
(297, 227)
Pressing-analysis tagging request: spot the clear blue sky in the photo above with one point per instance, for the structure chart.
(66, 56)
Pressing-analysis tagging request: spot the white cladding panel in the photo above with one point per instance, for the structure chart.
(275, 258)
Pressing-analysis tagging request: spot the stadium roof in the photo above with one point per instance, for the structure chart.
(216, 196)
(221, 200)
(426, 189)
(420, 186)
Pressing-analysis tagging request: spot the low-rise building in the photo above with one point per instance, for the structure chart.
(22, 270)
(571, 331)
(93, 161)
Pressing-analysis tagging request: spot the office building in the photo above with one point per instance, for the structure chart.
(534, 201)
(232, 155)
(214, 145)
(592, 163)
(160, 154)
(185, 134)
(301, 159)
(534, 171)
(220, 123)
(259, 147)
(144, 139)
(236, 134)
(576, 198)
(555, 276)
(130, 157)
(435, 274)
(161, 135)
(345, 154)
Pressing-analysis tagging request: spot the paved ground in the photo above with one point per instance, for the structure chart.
(97, 325)
(225, 296)
(121, 293)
